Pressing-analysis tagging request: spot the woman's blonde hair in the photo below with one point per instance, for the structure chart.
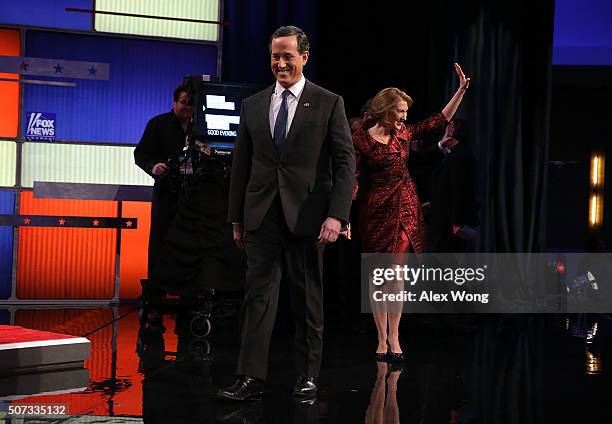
(385, 99)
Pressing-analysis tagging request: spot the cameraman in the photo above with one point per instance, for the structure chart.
(163, 138)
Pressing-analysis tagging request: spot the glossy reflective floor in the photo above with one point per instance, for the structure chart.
(459, 369)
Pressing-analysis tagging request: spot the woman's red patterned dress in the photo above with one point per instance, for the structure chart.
(390, 201)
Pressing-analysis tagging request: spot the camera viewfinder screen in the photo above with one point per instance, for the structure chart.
(218, 112)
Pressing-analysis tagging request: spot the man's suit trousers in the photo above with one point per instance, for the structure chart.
(275, 254)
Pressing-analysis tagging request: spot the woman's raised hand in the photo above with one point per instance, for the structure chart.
(464, 82)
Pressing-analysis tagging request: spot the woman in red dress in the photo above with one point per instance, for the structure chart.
(391, 219)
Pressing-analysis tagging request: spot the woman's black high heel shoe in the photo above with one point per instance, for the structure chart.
(393, 357)
(395, 367)
(381, 357)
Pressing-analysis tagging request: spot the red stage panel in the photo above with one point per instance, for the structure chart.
(66, 263)
(134, 249)
(129, 401)
(9, 91)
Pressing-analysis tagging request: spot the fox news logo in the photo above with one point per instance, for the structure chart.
(41, 126)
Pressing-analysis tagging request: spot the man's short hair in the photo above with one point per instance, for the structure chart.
(288, 31)
(181, 88)
(366, 108)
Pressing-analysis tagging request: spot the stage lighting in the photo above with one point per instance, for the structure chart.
(596, 197)
(597, 170)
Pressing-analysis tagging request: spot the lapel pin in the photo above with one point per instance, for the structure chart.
(306, 104)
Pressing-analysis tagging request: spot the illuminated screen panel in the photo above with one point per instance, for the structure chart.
(7, 206)
(218, 111)
(66, 263)
(78, 163)
(189, 9)
(9, 91)
(8, 157)
(143, 75)
(46, 13)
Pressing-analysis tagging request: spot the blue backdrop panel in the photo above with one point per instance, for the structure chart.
(5, 317)
(7, 206)
(46, 13)
(583, 34)
(143, 74)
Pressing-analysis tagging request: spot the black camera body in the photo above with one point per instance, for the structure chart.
(209, 142)
(216, 114)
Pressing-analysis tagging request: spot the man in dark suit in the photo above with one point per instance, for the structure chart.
(163, 138)
(290, 192)
(453, 217)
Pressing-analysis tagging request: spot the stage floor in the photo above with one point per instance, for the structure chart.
(459, 369)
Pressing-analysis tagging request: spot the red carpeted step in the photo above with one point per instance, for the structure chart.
(24, 351)
(16, 334)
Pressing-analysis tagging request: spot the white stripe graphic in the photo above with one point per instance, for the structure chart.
(33, 118)
(43, 343)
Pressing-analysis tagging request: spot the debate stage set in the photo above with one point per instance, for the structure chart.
(80, 79)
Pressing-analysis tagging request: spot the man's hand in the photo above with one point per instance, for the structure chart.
(238, 230)
(329, 230)
(159, 169)
(448, 142)
(346, 232)
(464, 232)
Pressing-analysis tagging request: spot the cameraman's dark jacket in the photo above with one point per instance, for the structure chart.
(163, 137)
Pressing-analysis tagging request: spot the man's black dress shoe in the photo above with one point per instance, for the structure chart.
(244, 388)
(242, 413)
(305, 387)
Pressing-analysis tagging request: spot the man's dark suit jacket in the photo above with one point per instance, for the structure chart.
(453, 199)
(315, 174)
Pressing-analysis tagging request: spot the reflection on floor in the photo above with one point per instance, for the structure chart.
(459, 369)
